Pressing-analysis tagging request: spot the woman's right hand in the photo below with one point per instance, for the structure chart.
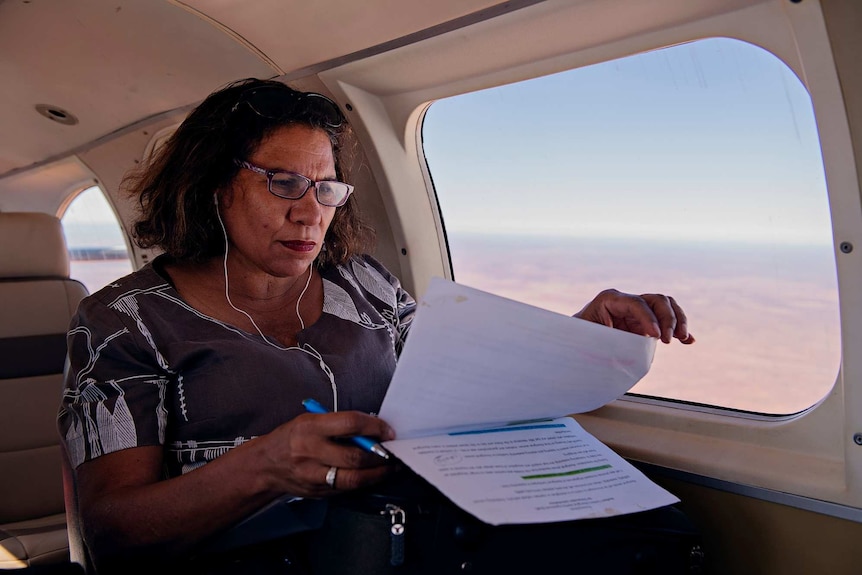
(302, 451)
(129, 512)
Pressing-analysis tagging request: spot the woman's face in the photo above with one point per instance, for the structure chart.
(278, 236)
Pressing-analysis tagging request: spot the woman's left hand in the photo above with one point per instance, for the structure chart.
(654, 315)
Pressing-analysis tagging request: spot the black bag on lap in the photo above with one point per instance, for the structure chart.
(409, 528)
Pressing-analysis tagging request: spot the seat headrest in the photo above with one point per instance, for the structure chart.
(32, 244)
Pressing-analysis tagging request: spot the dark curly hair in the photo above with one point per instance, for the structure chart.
(175, 188)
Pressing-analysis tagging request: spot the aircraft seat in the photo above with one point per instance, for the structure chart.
(37, 301)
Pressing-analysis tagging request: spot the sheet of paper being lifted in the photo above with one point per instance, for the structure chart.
(475, 359)
(479, 398)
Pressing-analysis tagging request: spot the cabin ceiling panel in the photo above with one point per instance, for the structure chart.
(44, 190)
(534, 34)
(329, 29)
(110, 63)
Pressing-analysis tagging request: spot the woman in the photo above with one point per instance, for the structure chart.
(182, 410)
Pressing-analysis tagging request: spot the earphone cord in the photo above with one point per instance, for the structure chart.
(302, 293)
(227, 292)
(323, 366)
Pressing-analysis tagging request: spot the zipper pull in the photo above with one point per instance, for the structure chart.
(396, 534)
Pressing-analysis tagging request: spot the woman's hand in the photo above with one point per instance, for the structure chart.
(654, 315)
(129, 512)
(302, 452)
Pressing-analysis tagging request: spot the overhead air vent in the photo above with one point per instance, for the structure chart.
(57, 114)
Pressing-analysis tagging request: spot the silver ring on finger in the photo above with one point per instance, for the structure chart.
(330, 476)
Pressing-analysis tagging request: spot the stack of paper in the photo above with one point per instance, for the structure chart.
(479, 402)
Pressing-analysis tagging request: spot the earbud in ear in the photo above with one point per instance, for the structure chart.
(215, 198)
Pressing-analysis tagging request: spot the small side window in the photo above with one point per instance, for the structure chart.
(97, 248)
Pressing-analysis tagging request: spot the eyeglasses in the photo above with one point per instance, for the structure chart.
(292, 186)
(283, 103)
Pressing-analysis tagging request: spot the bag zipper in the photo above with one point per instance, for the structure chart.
(397, 533)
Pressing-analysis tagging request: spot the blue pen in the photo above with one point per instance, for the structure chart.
(314, 406)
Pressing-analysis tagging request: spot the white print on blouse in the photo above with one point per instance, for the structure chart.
(377, 285)
(113, 430)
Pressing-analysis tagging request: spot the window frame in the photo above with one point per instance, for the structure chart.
(510, 208)
(80, 190)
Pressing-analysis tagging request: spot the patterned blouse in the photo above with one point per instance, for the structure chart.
(148, 369)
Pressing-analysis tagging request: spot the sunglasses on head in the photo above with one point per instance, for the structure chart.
(283, 103)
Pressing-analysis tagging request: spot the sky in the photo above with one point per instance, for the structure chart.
(710, 139)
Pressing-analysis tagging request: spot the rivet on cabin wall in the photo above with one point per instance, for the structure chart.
(857, 438)
(846, 247)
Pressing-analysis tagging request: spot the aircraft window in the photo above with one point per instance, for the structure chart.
(693, 170)
(97, 249)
